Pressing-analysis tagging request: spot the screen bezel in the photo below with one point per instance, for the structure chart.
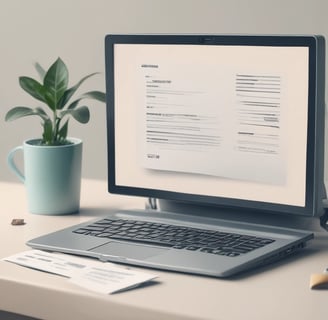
(315, 130)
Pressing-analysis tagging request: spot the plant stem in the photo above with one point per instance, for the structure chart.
(55, 128)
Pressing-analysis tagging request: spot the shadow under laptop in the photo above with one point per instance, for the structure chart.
(291, 260)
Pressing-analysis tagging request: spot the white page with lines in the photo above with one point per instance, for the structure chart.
(230, 120)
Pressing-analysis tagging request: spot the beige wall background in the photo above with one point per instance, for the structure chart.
(42, 30)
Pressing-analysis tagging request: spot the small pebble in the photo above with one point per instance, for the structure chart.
(18, 222)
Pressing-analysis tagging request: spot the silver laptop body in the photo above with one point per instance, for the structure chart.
(286, 242)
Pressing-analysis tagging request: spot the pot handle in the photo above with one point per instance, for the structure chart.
(12, 165)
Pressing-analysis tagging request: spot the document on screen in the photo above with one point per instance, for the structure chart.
(218, 121)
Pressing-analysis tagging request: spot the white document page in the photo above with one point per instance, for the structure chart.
(87, 273)
(212, 120)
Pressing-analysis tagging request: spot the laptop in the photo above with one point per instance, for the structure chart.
(212, 127)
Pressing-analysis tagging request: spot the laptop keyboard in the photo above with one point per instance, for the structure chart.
(173, 236)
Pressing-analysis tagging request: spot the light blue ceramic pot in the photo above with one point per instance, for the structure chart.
(52, 176)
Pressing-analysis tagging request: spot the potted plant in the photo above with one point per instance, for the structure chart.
(52, 163)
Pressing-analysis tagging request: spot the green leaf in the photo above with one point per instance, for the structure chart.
(81, 114)
(39, 111)
(50, 101)
(32, 87)
(55, 83)
(73, 104)
(40, 70)
(95, 95)
(69, 92)
(18, 112)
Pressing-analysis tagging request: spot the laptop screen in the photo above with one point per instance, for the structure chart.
(235, 121)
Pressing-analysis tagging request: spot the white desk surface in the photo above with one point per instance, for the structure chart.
(280, 291)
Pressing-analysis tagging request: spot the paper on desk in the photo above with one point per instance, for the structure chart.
(90, 274)
(110, 280)
(48, 262)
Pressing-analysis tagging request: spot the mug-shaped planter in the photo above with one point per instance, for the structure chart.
(52, 176)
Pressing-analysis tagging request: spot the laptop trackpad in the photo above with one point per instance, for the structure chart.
(126, 250)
